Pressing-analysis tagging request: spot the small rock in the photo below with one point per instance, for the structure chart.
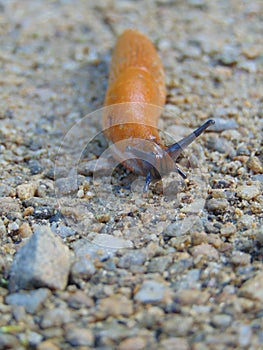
(2, 229)
(44, 261)
(222, 124)
(217, 204)
(67, 185)
(248, 191)
(43, 212)
(116, 306)
(244, 336)
(159, 264)
(111, 242)
(63, 231)
(33, 338)
(178, 325)
(55, 317)
(82, 269)
(26, 191)
(255, 165)
(151, 292)
(220, 145)
(9, 206)
(47, 345)
(86, 249)
(228, 230)
(191, 297)
(248, 66)
(9, 341)
(79, 336)
(131, 258)
(80, 299)
(31, 300)
(229, 55)
(25, 230)
(221, 320)
(133, 343)
(174, 343)
(253, 288)
(34, 166)
(205, 250)
(245, 221)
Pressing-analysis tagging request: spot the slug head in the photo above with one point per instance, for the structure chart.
(161, 162)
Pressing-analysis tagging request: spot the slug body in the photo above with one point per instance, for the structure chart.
(135, 97)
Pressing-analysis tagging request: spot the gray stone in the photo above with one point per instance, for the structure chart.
(82, 269)
(79, 336)
(31, 300)
(222, 124)
(55, 317)
(44, 261)
(131, 258)
(150, 292)
(159, 264)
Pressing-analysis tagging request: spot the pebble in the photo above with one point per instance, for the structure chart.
(222, 124)
(221, 320)
(82, 269)
(178, 325)
(31, 300)
(47, 345)
(43, 212)
(76, 336)
(26, 191)
(174, 343)
(80, 299)
(44, 261)
(191, 297)
(32, 338)
(245, 221)
(132, 258)
(34, 166)
(229, 55)
(25, 230)
(2, 228)
(228, 230)
(253, 288)
(255, 165)
(56, 317)
(115, 306)
(217, 204)
(111, 242)
(220, 145)
(67, 185)
(205, 249)
(9, 206)
(240, 258)
(244, 335)
(63, 231)
(86, 249)
(159, 264)
(150, 292)
(248, 191)
(9, 341)
(133, 343)
(173, 230)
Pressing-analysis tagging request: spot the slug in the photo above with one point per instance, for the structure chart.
(134, 99)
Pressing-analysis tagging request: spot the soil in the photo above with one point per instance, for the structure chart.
(173, 269)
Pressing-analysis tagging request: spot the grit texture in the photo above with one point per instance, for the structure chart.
(88, 261)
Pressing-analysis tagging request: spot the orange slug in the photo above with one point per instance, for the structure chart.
(136, 86)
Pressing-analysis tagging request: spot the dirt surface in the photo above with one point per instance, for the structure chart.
(99, 265)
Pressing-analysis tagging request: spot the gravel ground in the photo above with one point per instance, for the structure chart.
(86, 261)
